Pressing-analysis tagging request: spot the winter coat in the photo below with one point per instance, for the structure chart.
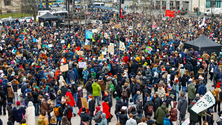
(68, 111)
(17, 112)
(202, 89)
(96, 89)
(161, 113)
(104, 120)
(106, 109)
(131, 122)
(10, 92)
(166, 121)
(74, 87)
(84, 117)
(189, 67)
(63, 90)
(147, 104)
(191, 91)
(182, 106)
(134, 66)
(150, 122)
(127, 90)
(193, 115)
(157, 102)
(89, 87)
(215, 92)
(2, 96)
(30, 114)
(173, 112)
(45, 120)
(162, 94)
(123, 118)
(60, 111)
(79, 96)
(71, 75)
(118, 106)
(27, 100)
(91, 105)
(102, 85)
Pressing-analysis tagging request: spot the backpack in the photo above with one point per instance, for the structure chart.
(52, 96)
(111, 86)
(150, 109)
(56, 111)
(124, 93)
(156, 75)
(220, 95)
(40, 121)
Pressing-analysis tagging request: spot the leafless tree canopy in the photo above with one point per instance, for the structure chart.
(30, 6)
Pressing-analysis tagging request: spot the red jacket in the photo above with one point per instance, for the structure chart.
(71, 102)
(106, 109)
(126, 59)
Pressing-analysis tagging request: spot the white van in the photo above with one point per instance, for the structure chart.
(98, 5)
(215, 12)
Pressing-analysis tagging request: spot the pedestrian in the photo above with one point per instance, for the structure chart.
(125, 93)
(161, 92)
(58, 111)
(79, 96)
(85, 118)
(131, 121)
(118, 107)
(123, 117)
(160, 114)
(98, 115)
(143, 121)
(96, 91)
(18, 112)
(167, 119)
(191, 91)
(193, 115)
(30, 113)
(173, 113)
(182, 106)
(150, 121)
(104, 120)
(10, 92)
(216, 92)
(53, 121)
(42, 120)
(65, 121)
(3, 101)
(106, 110)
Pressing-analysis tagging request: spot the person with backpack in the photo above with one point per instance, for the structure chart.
(161, 113)
(74, 90)
(125, 93)
(68, 111)
(218, 94)
(18, 112)
(42, 120)
(182, 106)
(173, 112)
(58, 111)
(85, 118)
(148, 107)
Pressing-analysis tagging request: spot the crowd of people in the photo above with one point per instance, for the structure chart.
(159, 86)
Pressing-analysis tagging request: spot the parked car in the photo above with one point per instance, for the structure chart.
(55, 5)
(183, 12)
(3, 20)
(28, 19)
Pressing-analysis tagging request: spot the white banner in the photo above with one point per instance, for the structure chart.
(82, 64)
(205, 102)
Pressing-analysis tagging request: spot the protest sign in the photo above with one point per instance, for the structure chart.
(170, 36)
(87, 42)
(138, 25)
(101, 56)
(84, 103)
(82, 64)
(104, 52)
(111, 49)
(186, 122)
(203, 103)
(39, 46)
(50, 45)
(34, 32)
(79, 53)
(19, 55)
(88, 34)
(122, 46)
(86, 46)
(40, 40)
(94, 30)
(117, 26)
(64, 68)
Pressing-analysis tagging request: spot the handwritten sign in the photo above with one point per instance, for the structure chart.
(111, 49)
(79, 53)
(86, 46)
(118, 26)
(64, 68)
(82, 64)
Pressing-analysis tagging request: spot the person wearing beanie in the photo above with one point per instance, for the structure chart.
(18, 112)
(193, 115)
(91, 103)
(161, 113)
(216, 92)
(118, 106)
(3, 101)
(106, 109)
(166, 120)
(98, 114)
(85, 118)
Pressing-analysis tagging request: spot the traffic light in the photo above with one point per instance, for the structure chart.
(122, 1)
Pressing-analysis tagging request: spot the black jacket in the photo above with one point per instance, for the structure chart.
(63, 90)
(89, 87)
(157, 103)
(60, 111)
(35, 96)
(119, 105)
(123, 118)
(150, 122)
(91, 105)
(3, 98)
(84, 117)
(28, 99)
(74, 88)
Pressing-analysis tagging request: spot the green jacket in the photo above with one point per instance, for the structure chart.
(96, 89)
(202, 114)
(193, 115)
(191, 91)
(161, 113)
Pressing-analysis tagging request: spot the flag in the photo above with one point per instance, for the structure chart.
(203, 103)
(148, 49)
(203, 23)
(178, 12)
(88, 34)
(170, 13)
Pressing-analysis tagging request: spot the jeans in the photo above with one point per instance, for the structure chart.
(84, 81)
(36, 109)
(97, 98)
(126, 101)
(75, 98)
(3, 104)
(17, 97)
(177, 96)
(184, 88)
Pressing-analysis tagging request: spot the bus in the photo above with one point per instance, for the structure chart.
(61, 14)
(98, 5)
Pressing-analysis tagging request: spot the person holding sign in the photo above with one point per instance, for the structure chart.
(193, 115)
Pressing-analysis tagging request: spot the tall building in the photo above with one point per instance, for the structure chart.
(10, 6)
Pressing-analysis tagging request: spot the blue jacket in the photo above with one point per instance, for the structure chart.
(18, 113)
(4, 83)
(41, 75)
(166, 121)
(71, 75)
(202, 89)
(76, 72)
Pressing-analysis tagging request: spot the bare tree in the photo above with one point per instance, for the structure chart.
(31, 7)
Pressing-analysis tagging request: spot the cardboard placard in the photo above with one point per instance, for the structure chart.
(170, 36)
(82, 64)
(84, 103)
(111, 49)
(40, 40)
(86, 46)
(19, 55)
(79, 53)
(64, 68)
(138, 25)
(39, 47)
(101, 56)
(43, 67)
(34, 32)
(117, 26)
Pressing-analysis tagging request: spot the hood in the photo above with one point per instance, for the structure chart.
(30, 103)
(163, 106)
(94, 84)
(202, 86)
(104, 116)
(98, 108)
(166, 119)
(41, 117)
(174, 104)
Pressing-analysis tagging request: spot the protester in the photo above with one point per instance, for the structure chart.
(30, 113)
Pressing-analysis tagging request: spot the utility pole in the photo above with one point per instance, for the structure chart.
(160, 19)
(73, 6)
(120, 10)
(175, 22)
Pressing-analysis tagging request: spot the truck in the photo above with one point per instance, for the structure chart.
(215, 12)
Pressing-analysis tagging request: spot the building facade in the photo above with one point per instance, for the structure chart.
(10, 6)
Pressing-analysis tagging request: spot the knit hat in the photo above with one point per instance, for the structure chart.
(83, 109)
(105, 100)
(150, 86)
(169, 87)
(218, 86)
(167, 115)
(131, 100)
(18, 103)
(9, 104)
(193, 102)
(117, 98)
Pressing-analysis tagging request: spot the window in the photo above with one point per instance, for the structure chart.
(215, 3)
(7, 2)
